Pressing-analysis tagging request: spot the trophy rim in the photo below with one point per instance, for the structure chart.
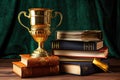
(40, 9)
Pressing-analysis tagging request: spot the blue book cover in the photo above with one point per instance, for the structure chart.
(77, 45)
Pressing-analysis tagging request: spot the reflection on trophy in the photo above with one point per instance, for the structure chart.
(40, 21)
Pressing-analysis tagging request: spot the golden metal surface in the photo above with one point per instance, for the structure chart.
(40, 21)
(100, 64)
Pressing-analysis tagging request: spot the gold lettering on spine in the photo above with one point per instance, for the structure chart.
(91, 46)
(57, 45)
(52, 45)
(87, 46)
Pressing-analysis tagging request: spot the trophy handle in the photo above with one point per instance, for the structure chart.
(61, 17)
(19, 15)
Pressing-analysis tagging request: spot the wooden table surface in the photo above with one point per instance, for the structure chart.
(6, 73)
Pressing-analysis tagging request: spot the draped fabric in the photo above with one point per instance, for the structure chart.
(101, 15)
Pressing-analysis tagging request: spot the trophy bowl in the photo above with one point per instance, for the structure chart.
(40, 21)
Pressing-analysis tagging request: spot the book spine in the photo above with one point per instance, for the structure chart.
(39, 71)
(74, 45)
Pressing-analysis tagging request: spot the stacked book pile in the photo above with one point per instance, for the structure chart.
(36, 67)
(78, 50)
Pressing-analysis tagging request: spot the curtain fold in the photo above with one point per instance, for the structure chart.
(77, 15)
(107, 15)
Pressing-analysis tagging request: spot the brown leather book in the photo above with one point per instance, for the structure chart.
(23, 71)
(42, 61)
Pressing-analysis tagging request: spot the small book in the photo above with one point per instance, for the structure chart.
(79, 68)
(77, 45)
(101, 53)
(41, 61)
(23, 71)
(83, 35)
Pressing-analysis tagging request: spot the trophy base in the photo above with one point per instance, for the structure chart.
(39, 53)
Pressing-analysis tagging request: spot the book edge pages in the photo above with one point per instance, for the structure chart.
(99, 54)
(17, 69)
(71, 69)
(78, 35)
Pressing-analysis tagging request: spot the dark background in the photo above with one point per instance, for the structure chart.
(101, 15)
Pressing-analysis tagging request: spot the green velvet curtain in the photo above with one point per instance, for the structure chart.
(77, 15)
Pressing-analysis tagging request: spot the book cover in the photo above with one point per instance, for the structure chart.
(83, 35)
(42, 61)
(79, 68)
(77, 45)
(102, 53)
(23, 71)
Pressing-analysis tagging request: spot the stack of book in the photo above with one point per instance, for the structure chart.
(78, 49)
(36, 67)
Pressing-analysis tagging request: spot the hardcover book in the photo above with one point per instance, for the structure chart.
(42, 61)
(83, 35)
(77, 45)
(79, 68)
(102, 53)
(23, 71)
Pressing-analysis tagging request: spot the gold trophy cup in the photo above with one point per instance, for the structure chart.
(40, 21)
